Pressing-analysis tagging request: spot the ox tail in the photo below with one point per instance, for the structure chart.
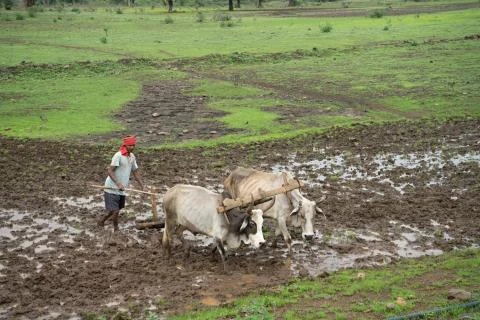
(166, 240)
(167, 235)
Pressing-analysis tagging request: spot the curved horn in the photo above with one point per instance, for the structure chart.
(296, 209)
(244, 224)
(270, 206)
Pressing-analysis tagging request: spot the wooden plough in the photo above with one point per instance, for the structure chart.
(154, 222)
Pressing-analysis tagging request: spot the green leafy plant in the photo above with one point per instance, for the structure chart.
(326, 27)
(199, 17)
(377, 14)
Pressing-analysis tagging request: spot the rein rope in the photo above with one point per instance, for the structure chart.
(289, 193)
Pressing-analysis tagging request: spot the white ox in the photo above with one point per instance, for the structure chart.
(290, 208)
(194, 208)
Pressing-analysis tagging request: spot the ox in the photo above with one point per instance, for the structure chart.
(291, 207)
(194, 208)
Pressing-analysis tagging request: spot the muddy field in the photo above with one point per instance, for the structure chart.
(392, 192)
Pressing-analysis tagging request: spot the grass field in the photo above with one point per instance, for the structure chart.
(367, 69)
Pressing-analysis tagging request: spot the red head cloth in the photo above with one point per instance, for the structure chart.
(127, 141)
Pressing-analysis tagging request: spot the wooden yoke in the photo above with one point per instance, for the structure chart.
(229, 204)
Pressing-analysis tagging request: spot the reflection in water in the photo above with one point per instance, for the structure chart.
(378, 167)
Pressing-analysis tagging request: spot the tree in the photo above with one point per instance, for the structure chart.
(8, 4)
(230, 5)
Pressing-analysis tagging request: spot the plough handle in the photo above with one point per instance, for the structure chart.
(125, 189)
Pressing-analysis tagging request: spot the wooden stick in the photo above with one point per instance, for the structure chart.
(126, 189)
(153, 198)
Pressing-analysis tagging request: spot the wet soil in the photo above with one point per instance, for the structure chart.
(55, 261)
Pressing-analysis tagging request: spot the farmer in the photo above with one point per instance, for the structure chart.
(123, 163)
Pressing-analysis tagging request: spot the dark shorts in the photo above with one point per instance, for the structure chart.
(114, 202)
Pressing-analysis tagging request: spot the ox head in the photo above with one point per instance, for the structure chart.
(252, 228)
(303, 214)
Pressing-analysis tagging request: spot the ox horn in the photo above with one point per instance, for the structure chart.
(296, 209)
(256, 203)
(270, 206)
(244, 224)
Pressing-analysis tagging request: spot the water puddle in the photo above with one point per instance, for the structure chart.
(344, 249)
(315, 172)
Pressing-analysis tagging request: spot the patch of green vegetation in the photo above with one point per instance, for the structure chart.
(146, 35)
(249, 114)
(71, 107)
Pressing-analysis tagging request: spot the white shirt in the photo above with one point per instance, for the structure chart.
(124, 166)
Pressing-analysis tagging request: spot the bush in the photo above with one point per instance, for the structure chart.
(8, 4)
(377, 14)
(226, 24)
(200, 17)
(326, 28)
(220, 16)
(32, 13)
(168, 20)
(19, 16)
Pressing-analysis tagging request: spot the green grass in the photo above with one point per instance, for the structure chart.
(140, 35)
(345, 295)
